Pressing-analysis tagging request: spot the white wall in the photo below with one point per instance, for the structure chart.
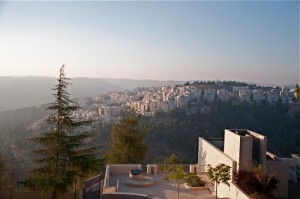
(209, 154)
(239, 148)
(237, 193)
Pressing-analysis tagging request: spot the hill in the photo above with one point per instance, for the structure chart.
(19, 92)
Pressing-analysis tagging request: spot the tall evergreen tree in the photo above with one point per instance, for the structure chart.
(127, 140)
(2, 173)
(62, 156)
(297, 91)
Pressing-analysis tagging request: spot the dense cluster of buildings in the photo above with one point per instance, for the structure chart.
(192, 98)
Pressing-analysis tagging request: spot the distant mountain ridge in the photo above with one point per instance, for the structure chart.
(19, 92)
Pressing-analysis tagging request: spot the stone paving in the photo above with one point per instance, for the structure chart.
(160, 189)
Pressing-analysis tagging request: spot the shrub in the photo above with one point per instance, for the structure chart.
(194, 181)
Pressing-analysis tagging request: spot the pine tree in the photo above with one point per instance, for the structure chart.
(297, 91)
(2, 174)
(62, 156)
(127, 140)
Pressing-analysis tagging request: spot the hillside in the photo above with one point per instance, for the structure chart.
(19, 92)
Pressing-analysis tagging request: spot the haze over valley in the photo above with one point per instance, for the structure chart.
(20, 92)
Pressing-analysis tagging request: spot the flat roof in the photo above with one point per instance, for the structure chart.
(161, 189)
(240, 131)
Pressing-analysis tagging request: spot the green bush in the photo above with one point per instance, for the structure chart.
(194, 181)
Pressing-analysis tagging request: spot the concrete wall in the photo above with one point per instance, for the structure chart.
(113, 169)
(223, 191)
(121, 195)
(237, 193)
(239, 148)
(245, 162)
(209, 154)
(262, 146)
(232, 191)
(122, 168)
(106, 185)
(282, 174)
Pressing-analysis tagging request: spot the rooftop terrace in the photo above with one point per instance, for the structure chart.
(159, 190)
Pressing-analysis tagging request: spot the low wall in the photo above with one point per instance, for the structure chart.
(121, 195)
(195, 188)
(109, 189)
(106, 177)
(38, 195)
(114, 169)
(122, 168)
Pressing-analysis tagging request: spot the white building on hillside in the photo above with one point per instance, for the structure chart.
(209, 94)
(258, 95)
(223, 94)
(272, 96)
(245, 95)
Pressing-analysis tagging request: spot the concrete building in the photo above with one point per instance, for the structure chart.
(272, 96)
(241, 150)
(238, 88)
(284, 96)
(110, 111)
(245, 95)
(209, 94)
(258, 95)
(182, 101)
(223, 94)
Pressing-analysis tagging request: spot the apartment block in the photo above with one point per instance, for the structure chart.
(223, 94)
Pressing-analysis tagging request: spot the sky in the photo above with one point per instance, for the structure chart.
(250, 41)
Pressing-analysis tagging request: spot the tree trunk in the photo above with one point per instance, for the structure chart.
(75, 183)
(54, 194)
(216, 191)
(75, 192)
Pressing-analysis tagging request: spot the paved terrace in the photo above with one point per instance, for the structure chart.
(160, 189)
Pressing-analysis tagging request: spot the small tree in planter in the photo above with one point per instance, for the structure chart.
(176, 173)
(219, 174)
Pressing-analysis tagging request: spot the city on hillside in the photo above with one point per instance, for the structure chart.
(191, 97)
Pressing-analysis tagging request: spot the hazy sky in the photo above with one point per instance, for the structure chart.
(228, 40)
